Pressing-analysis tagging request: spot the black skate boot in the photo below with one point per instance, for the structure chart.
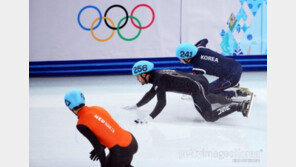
(246, 106)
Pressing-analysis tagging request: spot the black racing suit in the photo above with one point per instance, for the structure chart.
(118, 156)
(195, 85)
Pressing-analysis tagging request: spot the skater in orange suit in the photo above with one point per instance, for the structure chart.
(97, 125)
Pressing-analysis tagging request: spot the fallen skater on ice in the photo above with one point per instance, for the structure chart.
(194, 85)
(207, 61)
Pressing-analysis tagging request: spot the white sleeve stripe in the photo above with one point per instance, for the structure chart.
(199, 69)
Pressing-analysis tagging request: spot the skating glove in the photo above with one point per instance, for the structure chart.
(134, 107)
(97, 155)
(144, 120)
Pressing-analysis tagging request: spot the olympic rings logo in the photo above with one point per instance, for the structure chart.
(112, 26)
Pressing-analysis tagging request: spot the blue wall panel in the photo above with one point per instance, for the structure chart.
(123, 66)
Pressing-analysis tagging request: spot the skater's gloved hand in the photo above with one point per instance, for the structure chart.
(134, 107)
(144, 120)
(97, 155)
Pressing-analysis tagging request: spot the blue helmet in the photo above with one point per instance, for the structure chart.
(141, 67)
(74, 98)
(186, 51)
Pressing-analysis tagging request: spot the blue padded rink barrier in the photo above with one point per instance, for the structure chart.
(123, 66)
(177, 137)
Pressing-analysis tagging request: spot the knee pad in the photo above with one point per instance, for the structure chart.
(210, 118)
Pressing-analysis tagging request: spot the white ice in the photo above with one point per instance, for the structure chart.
(177, 137)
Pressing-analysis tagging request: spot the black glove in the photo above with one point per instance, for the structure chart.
(97, 154)
(202, 42)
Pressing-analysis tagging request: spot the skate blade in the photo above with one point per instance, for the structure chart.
(186, 97)
(251, 105)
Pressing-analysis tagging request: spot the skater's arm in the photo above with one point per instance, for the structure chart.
(90, 136)
(147, 97)
(98, 147)
(202, 42)
(161, 102)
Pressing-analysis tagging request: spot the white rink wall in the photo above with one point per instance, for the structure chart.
(56, 35)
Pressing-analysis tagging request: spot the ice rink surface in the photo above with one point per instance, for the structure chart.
(177, 137)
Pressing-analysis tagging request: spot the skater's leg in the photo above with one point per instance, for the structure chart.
(121, 161)
(214, 98)
(218, 86)
(227, 109)
(210, 115)
(202, 80)
(108, 159)
(123, 156)
(228, 93)
(203, 106)
(132, 149)
(128, 161)
(115, 161)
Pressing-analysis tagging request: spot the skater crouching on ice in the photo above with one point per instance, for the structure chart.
(96, 124)
(207, 61)
(175, 81)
